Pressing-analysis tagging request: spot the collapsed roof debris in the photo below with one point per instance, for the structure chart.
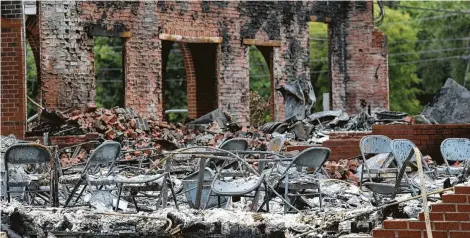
(451, 105)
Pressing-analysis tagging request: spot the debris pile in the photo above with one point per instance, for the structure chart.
(451, 105)
(343, 169)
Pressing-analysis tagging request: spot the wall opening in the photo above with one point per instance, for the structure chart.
(175, 95)
(319, 64)
(205, 69)
(109, 71)
(261, 84)
(32, 82)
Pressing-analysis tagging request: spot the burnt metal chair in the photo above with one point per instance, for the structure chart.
(455, 149)
(190, 189)
(403, 153)
(295, 177)
(32, 154)
(401, 148)
(373, 144)
(105, 156)
(235, 185)
(232, 145)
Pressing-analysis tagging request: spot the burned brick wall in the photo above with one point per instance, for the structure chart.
(13, 78)
(66, 56)
(358, 60)
(67, 30)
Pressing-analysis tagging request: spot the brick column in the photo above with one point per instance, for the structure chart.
(13, 78)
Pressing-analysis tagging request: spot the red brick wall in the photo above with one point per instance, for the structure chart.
(13, 81)
(190, 79)
(450, 219)
(428, 138)
(358, 61)
(344, 145)
(67, 65)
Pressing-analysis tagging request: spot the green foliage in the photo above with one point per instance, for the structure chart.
(260, 81)
(259, 110)
(174, 85)
(31, 81)
(434, 30)
(109, 72)
(403, 80)
(319, 61)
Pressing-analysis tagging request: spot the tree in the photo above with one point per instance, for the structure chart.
(403, 81)
(443, 42)
(31, 80)
(318, 33)
(108, 72)
(260, 81)
(174, 85)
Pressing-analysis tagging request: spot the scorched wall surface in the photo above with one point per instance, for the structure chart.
(358, 56)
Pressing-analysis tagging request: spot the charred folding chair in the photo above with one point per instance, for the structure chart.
(147, 183)
(235, 185)
(298, 176)
(401, 148)
(74, 151)
(235, 144)
(453, 150)
(104, 156)
(403, 153)
(374, 144)
(34, 155)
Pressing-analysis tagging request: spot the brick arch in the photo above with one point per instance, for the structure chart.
(190, 79)
(32, 36)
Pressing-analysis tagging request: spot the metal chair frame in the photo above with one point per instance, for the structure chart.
(455, 149)
(31, 153)
(373, 144)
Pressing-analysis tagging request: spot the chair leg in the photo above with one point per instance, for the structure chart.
(118, 198)
(362, 175)
(173, 193)
(208, 199)
(320, 198)
(79, 195)
(286, 191)
(135, 203)
(70, 196)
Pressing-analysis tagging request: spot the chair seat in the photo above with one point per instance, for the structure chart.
(453, 170)
(301, 182)
(239, 187)
(69, 179)
(385, 188)
(139, 179)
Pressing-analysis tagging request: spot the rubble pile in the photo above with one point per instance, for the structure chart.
(451, 105)
(343, 169)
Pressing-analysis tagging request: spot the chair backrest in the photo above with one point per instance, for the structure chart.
(27, 153)
(375, 144)
(313, 157)
(401, 148)
(275, 145)
(234, 144)
(455, 149)
(105, 154)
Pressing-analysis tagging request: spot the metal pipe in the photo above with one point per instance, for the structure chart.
(32, 118)
(176, 111)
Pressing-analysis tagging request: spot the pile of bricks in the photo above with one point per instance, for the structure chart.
(113, 123)
(449, 219)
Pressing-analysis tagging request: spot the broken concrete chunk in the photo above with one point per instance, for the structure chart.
(451, 105)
